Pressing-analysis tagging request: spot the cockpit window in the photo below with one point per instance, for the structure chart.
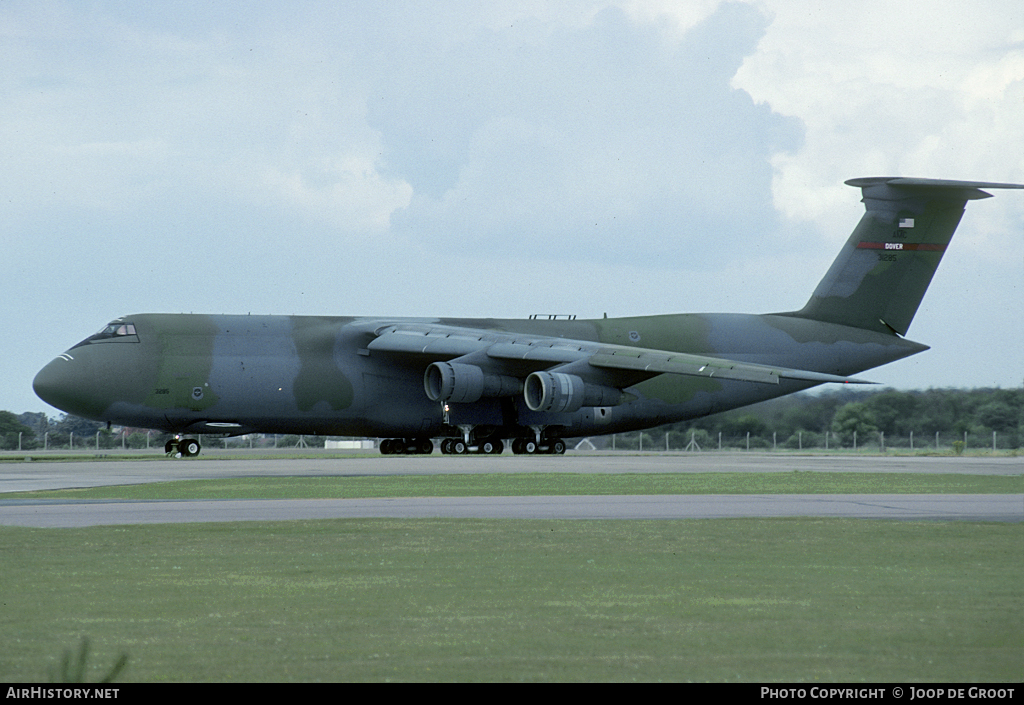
(114, 332)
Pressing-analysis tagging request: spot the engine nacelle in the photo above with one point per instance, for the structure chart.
(557, 392)
(465, 384)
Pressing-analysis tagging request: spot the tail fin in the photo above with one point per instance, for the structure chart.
(882, 272)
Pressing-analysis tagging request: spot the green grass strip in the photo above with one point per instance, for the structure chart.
(523, 484)
(787, 600)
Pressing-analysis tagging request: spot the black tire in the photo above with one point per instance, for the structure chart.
(190, 448)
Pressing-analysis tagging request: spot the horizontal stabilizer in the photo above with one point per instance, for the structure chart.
(967, 190)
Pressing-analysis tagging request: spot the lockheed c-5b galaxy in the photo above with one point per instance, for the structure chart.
(479, 384)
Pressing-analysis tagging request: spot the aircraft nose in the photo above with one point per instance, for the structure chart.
(62, 384)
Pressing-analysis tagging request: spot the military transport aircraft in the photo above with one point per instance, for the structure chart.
(480, 383)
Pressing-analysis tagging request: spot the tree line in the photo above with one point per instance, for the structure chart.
(806, 420)
(32, 430)
(835, 418)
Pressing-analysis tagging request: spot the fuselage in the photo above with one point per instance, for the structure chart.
(185, 373)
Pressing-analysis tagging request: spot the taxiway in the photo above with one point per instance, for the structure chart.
(40, 475)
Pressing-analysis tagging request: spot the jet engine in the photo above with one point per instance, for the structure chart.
(464, 384)
(558, 391)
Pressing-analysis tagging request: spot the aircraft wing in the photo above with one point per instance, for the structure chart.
(495, 348)
(626, 358)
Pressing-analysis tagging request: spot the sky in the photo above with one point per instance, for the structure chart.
(496, 159)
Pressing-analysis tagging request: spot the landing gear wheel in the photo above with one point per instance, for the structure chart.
(492, 446)
(189, 448)
(425, 447)
(446, 446)
(524, 446)
(558, 447)
(171, 447)
(459, 447)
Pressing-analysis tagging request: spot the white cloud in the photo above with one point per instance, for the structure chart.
(911, 88)
(126, 116)
(588, 140)
(356, 197)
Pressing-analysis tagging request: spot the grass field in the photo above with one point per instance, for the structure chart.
(472, 600)
(807, 600)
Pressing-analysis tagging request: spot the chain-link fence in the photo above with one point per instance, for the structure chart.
(701, 440)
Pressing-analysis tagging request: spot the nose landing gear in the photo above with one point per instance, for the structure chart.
(187, 447)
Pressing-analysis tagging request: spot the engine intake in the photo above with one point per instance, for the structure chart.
(557, 392)
(465, 384)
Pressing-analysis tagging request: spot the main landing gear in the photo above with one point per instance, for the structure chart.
(188, 447)
(494, 446)
(406, 446)
(528, 446)
(458, 446)
(480, 440)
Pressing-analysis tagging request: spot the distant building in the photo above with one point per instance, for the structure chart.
(349, 445)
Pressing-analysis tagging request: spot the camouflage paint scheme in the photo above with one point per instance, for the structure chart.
(540, 379)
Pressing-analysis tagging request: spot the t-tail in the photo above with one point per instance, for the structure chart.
(883, 271)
